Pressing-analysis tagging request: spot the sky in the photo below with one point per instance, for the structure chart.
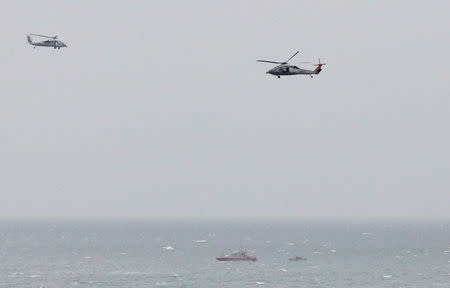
(159, 110)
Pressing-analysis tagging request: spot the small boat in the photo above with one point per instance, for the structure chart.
(237, 256)
(297, 258)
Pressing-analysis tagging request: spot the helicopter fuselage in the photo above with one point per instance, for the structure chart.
(47, 43)
(284, 70)
(50, 43)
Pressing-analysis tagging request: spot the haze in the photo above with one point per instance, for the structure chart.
(159, 110)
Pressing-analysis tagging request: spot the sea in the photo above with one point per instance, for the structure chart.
(57, 254)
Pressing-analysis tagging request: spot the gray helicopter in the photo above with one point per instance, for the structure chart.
(51, 42)
(283, 69)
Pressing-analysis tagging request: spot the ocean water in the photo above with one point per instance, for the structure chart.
(182, 254)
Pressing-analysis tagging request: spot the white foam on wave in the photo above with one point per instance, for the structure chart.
(201, 241)
(387, 276)
(34, 276)
(133, 273)
(168, 248)
(259, 283)
(283, 270)
(16, 274)
(128, 273)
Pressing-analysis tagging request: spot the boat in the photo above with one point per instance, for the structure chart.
(297, 258)
(237, 256)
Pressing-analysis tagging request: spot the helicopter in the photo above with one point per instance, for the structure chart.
(51, 42)
(283, 69)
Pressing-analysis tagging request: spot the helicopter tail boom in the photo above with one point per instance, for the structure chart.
(319, 67)
(29, 40)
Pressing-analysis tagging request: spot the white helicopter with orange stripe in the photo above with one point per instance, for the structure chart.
(283, 69)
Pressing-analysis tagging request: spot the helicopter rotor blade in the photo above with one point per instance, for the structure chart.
(273, 62)
(39, 35)
(292, 57)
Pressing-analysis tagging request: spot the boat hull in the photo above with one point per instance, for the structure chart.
(235, 259)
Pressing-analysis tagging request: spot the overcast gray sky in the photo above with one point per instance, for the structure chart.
(159, 110)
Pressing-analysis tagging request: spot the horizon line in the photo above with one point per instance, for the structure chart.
(225, 219)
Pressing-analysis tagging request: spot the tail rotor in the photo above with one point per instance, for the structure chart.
(30, 41)
(319, 67)
(320, 64)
